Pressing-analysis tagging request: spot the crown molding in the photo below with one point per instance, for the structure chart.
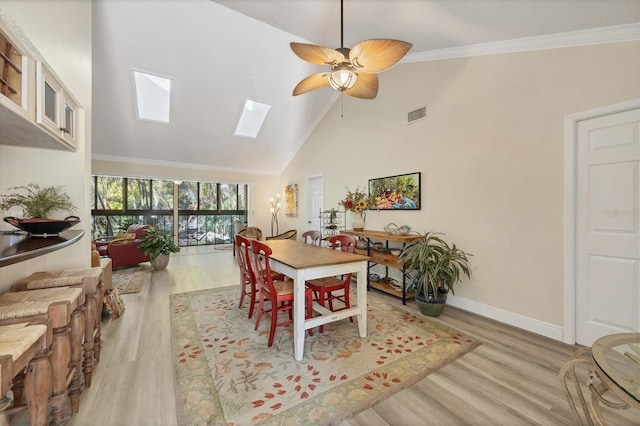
(163, 163)
(603, 35)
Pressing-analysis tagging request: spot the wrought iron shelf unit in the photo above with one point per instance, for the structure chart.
(385, 259)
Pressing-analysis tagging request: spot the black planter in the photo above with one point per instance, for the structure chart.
(431, 308)
(43, 227)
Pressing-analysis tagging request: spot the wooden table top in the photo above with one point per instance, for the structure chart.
(382, 235)
(300, 255)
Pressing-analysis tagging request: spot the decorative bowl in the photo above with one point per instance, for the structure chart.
(404, 230)
(395, 251)
(43, 227)
(391, 229)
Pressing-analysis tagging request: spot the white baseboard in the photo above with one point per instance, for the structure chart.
(530, 324)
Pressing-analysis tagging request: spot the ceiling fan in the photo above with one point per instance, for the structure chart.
(353, 71)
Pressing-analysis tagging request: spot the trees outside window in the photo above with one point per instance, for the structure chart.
(206, 210)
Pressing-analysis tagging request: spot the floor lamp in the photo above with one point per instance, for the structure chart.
(275, 208)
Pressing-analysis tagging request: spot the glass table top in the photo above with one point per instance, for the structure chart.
(618, 356)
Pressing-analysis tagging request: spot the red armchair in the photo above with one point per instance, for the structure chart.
(124, 250)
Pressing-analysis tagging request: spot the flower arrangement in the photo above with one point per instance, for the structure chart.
(355, 201)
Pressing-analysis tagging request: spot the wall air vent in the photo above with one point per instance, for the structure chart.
(417, 115)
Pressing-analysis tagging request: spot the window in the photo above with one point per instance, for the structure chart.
(162, 194)
(205, 210)
(253, 115)
(188, 196)
(153, 97)
(208, 196)
(229, 197)
(138, 194)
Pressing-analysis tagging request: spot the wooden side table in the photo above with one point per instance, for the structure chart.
(26, 346)
(90, 280)
(62, 308)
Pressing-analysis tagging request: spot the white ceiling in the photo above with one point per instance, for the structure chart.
(220, 53)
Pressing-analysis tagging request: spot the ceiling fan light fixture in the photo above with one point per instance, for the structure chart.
(353, 70)
(342, 78)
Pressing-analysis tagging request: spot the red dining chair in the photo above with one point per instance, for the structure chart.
(247, 282)
(279, 294)
(324, 288)
(312, 237)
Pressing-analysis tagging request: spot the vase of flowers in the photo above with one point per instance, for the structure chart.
(356, 202)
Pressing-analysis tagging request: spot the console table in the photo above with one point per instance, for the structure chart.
(17, 246)
(385, 259)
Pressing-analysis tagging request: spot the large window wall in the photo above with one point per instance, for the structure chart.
(205, 211)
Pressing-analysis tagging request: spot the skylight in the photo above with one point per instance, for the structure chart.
(252, 117)
(153, 97)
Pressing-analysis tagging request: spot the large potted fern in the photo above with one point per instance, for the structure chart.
(434, 268)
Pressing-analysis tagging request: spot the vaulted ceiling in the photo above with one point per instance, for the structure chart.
(220, 53)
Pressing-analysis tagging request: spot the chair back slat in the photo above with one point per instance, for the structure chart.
(242, 257)
(260, 268)
(346, 243)
(312, 237)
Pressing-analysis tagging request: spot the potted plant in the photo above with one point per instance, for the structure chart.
(37, 205)
(158, 245)
(434, 267)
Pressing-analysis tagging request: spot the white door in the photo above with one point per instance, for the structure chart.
(608, 226)
(315, 202)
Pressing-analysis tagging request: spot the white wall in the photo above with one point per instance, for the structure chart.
(61, 31)
(491, 157)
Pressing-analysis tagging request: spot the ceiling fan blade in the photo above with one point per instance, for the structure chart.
(317, 54)
(373, 56)
(366, 86)
(313, 82)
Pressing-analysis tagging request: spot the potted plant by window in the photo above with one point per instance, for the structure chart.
(158, 245)
(37, 205)
(434, 267)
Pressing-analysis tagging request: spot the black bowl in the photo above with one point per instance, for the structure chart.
(43, 227)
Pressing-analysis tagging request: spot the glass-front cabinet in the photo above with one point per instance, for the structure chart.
(32, 97)
(56, 109)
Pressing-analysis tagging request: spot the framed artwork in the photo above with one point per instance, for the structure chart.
(400, 192)
(291, 200)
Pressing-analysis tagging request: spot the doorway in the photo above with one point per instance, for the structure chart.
(602, 223)
(314, 202)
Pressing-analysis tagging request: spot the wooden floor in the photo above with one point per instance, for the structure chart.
(511, 379)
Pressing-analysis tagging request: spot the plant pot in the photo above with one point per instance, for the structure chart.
(160, 262)
(432, 309)
(38, 227)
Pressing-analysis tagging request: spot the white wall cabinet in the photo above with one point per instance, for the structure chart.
(15, 66)
(56, 110)
(36, 109)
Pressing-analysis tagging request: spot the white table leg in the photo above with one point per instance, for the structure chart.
(361, 289)
(298, 314)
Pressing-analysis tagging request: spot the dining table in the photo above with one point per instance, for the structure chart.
(303, 262)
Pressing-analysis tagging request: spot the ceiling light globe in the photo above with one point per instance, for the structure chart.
(342, 78)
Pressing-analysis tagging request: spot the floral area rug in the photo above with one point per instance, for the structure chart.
(228, 375)
(131, 280)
